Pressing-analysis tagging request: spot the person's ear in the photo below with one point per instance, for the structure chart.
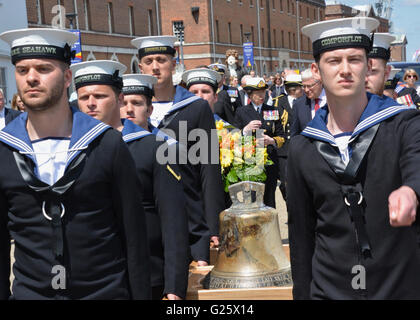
(316, 71)
(387, 71)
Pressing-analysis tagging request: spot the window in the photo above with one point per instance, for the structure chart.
(150, 21)
(251, 4)
(274, 4)
(282, 38)
(177, 28)
(288, 6)
(275, 38)
(242, 33)
(290, 41)
(307, 13)
(217, 31)
(87, 14)
(252, 34)
(229, 32)
(110, 18)
(131, 20)
(263, 38)
(262, 4)
(281, 5)
(294, 41)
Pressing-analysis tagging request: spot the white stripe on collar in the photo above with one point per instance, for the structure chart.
(183, 103)
(135, 135)
(320, 134)
(86, 139)
(17, 143)
(386, 113)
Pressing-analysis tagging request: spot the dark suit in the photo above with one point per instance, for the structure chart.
(273, 129)
(10, 114)
(301, 115)
(203, 182)
(277, 90)
(228, 101)
(166, 218)
(286, 113)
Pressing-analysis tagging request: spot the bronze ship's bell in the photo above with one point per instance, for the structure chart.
(251, 253)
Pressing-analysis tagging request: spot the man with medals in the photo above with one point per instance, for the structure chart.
(162, 198)
(353, 179)
(74, 211)
(178, 112)
(259, 116)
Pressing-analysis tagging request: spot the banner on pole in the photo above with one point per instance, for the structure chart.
(248, 48)
(77, 47)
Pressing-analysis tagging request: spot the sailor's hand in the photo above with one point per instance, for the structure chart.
(215, 241)
(402, 204)
(171, 296)
(268, 140)
(202, 263)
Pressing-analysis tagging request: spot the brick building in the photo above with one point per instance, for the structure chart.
(213, 26)
(106, 26)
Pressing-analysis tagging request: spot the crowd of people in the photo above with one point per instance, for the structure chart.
(111, 197)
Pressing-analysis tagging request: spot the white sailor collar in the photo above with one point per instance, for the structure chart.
(377, 110)
(132, 132)
(85, 130)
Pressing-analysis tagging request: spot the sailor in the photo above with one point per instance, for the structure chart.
(285, 106)
(260, 116)
(391, 83)
(353, 178)
(74, 211)
(380, 55)
(204, 83)
(228, 100)
(163, 199)
(179, 112)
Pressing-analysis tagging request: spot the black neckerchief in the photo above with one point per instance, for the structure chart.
(350, 185)
(52, 196)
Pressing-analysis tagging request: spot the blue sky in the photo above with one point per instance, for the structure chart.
(405, 18)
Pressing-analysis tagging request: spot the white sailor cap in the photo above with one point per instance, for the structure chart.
(40, 43)
(381, 46)
(138, 84)
(255, 83)
(201, 75)
(340, 34)
(392, 81)
(218, 67)
(154, 45)
(98, 72)
(293, 80)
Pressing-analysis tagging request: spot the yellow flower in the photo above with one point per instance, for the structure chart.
(226, 157)
(219, 125)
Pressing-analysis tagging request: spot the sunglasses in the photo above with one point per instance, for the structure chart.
(412, 76)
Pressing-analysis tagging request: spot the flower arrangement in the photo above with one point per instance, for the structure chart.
(241, 157)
